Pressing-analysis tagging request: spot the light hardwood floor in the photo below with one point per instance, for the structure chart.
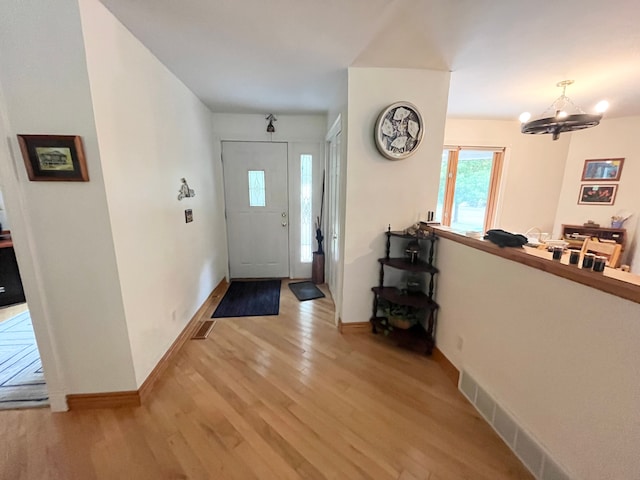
(278, 397)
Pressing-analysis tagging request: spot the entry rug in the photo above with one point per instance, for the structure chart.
(22, 382)
(250, 299)
(305, 291)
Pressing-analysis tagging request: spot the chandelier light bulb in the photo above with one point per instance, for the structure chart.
(561, 114)
(602, 106)
(524, 117)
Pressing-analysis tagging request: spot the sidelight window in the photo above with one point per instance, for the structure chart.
(306, 208)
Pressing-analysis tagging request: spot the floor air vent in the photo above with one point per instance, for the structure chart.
(526, 448)
(204, 330)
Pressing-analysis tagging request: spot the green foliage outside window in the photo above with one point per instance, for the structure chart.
(472, 181)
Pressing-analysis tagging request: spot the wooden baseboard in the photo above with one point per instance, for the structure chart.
(354, 327)
(365, 327)
(449, 368)
(179, 342)
(84, 401)
(135, 398)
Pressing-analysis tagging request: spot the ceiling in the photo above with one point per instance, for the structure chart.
(289, 56)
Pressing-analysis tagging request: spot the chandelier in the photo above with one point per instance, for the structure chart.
(562, 116)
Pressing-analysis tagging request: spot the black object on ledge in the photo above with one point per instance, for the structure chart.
(505, 239)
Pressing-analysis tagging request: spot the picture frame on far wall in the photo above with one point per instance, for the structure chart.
(602, 170)
(597, 194)
(54, 158)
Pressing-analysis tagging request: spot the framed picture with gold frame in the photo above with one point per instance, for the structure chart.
(54, 158)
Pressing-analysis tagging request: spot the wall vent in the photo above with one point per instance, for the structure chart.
(468, 386)
(485, 404)
(526, 447)
(505, 426)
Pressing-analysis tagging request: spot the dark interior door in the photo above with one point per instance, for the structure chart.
(11, 291)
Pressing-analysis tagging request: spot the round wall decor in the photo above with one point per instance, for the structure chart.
(399, 130)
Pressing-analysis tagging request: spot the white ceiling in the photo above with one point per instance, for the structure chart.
(288, 56)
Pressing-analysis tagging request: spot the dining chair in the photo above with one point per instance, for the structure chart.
(606, 249)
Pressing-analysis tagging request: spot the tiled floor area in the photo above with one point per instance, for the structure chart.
(22, 382)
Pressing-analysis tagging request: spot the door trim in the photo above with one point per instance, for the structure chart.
(27, 258)
(335, 194)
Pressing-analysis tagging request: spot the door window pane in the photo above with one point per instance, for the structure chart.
(257, 189)
(306, 213)
(471, 190)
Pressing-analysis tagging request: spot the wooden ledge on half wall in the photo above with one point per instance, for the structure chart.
(135, 398)
(613, 281)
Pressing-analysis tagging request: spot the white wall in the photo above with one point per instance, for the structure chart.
(152, 131)
(339, 106)
(561, 357)
(617, 137)
(532, 173)
(379, 191)
(32, 280)
(3, 214)
(63, 237)
(253, 127)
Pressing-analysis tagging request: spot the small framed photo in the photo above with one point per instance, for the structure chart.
(597, 194)
(188, 215)
(51, 158)
(602, 170)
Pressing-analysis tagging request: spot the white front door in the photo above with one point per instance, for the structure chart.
(256, 198)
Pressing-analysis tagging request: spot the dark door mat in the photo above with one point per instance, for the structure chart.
(250, 299)
(305, 291)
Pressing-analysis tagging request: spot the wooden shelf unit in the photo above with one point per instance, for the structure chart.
(420, 336)
(618, 235)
